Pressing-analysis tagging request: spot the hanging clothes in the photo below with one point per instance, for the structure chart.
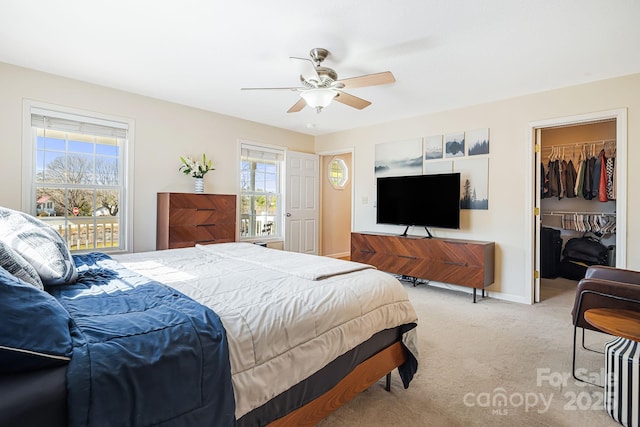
(595, 177)
(571, 179)
(553, 175)
(611, 174)
(563, 178)
(580, 178)
(588, 178)
(602, 185)
(544, 183)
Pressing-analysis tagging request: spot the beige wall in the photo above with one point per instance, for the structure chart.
(336, 211)
(506, 221)
(163, 132)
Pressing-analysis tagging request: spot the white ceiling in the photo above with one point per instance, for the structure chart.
(444, 53)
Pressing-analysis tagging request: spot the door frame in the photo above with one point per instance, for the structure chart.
(352, 176)
(533, 197)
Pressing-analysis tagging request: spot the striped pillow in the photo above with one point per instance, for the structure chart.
(11, 261)
(40, 245)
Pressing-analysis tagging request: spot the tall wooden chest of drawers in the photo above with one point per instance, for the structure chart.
(187, 219)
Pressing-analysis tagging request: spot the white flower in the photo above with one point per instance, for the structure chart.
(195, 168)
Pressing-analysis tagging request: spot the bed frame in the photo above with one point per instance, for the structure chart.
(358, 380)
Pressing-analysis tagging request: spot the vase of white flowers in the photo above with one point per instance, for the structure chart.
(196, 169)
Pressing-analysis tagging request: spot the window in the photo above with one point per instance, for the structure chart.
(260, 192)
(77, 178)
(338, 173)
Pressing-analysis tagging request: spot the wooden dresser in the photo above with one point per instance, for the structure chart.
(460, 262)
(186, 219)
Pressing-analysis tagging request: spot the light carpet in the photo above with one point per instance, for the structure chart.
(494, 363)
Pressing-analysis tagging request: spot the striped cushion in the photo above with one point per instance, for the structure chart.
(11, 261)
(40, 245)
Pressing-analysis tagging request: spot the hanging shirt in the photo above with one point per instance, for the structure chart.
(611, 174)
(563, 178)
(580, 178)
(571, 179)
(595, 178)
(554, 179)
(588, 179)
(602, 185)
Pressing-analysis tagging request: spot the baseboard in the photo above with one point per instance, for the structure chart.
(488, 293)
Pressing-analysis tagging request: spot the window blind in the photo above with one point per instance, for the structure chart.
(261, 153)
(78, 124)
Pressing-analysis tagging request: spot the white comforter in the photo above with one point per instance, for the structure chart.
(287, 315)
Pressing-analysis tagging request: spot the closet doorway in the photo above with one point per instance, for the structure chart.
(576, 195)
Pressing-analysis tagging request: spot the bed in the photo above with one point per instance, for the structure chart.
(232, 334)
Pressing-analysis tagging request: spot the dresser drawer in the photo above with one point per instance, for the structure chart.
(200, 216)
(201, 201)
(209, 233)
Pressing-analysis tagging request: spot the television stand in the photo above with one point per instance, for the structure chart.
(428, 236)
(467, 263)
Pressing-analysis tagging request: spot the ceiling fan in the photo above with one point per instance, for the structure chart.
(320, 85)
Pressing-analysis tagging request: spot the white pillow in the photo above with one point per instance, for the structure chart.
(40, 245)
(11, 261)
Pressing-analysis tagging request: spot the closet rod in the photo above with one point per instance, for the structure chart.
(577, 213)
(573, 144)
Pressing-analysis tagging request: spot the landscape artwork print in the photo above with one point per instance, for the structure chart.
(454, 144)
(478, 141)
(474, 182)
(433, 147)
(398, 158)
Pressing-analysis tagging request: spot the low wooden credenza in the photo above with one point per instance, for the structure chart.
(460, 262)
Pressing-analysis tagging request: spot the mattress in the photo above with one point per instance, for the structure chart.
(287, 315)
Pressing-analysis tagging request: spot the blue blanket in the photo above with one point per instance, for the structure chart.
(143, 353)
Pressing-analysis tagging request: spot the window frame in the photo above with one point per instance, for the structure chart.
(278, 217)
(344, 170)
(29, 156)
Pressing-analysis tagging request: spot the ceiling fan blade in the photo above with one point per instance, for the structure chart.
(307, 69)
(376, 79)
(352, 101)
(297, 106)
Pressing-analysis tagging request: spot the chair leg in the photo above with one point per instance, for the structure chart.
(587, 348)
(573, 363)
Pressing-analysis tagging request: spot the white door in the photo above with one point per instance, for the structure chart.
(537, 218)
(301, 203)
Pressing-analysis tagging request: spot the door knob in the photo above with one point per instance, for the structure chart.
(288, 214)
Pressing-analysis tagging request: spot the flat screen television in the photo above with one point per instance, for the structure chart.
(419, 200)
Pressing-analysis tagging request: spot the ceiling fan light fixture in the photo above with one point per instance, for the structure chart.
(318, 98)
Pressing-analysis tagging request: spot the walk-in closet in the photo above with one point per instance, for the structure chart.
(577, 198)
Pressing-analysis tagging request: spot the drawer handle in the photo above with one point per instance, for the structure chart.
(204, 225)
(462, 264)
(205, 241)
(205, 209)
(367, 251)
(407, 256)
